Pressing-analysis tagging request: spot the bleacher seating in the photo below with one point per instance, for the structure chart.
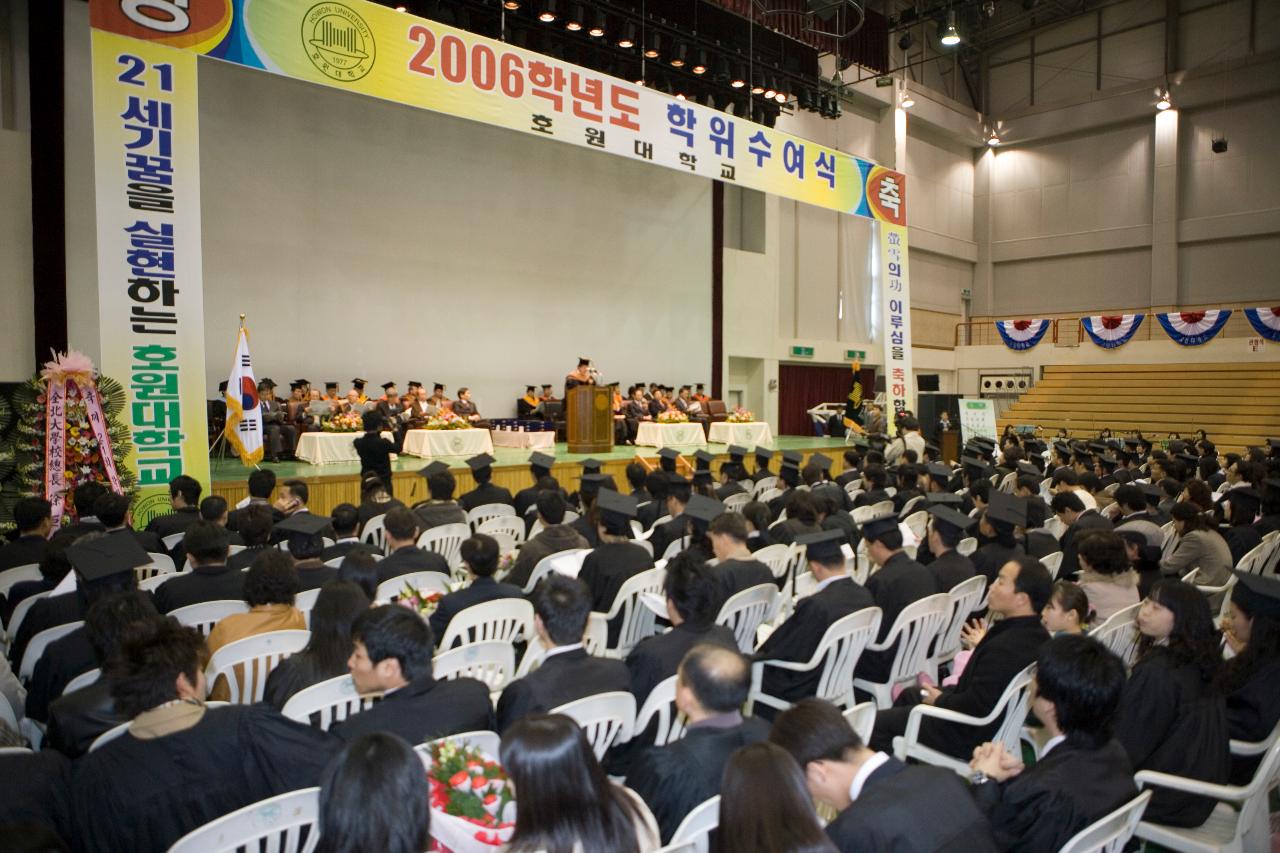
(1238, 405)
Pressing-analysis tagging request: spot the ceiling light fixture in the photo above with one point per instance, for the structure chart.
(951, 36)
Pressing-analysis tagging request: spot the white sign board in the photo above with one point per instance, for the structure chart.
(977, 419)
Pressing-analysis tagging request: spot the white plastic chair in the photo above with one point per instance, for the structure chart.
(108, 736)
(911, 637)
(18, 574)
(594, 639)
(1120, 634)
(735, 503)
(206, 614)
(637, 620)
(172, 539)
(746, 611)
(1010, 708)
(661, 703)
(763, 485)
(305, 601)
(487, 511)
(446, 540)
(84, 679)
(768, 495)
(862, 719)
(505, 619)
(7, 715)
(674, 547)
(1110, 834)
(490, 661)
(508, 524)
(606, 718)
(153, 583)
(545, 566)
(245, 664)
(964, 598)
(698, 825)
(837, 653)
(161, 564)
(35, 648)
(329, 702)
(286, 823)
(917, 522)
(862, 514)
(776, 558)
(967, 546)
(430, 581)
(1052, 562)
(1255, 560)
(909, 508)
(375, 533)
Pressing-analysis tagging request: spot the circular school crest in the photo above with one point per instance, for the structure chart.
(338, 42)
(149, 506)
(456, 444)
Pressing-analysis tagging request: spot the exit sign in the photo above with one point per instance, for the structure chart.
(802, 352)
(852, 354)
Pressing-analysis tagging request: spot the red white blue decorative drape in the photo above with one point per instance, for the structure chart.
(1110, 332)
(1193, 328)
(1265, 321)
(1022, 334)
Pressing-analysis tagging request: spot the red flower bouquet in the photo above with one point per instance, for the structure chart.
(471, 800)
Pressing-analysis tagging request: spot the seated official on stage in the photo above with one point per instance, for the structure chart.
(464, 408)
(485, 492)
(404, 557)
(438, 398)
(528, 405)
(279, 435)
(440, 508)
(480, 556)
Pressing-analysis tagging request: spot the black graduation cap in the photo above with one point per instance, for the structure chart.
(792, 457)
(1257, 594)
(824, 547)
(542, 460)
(304, 524)
(529, 389)
(736, 453)
(591, 466)
(669, 453)
(595, 481)
(881, 523)
(1004, 507)
(330, 385)
(946, 515)
(387, 386)
(434, 468)
(944, 498)
(938, 470)
(544, 385)
(1153, 493)
(821, 460)
(295, 385)
(970, 461)
(1107, 459)
(1132, 442)
(699, 386)
(1027, 468)
(616, 503)
(107, 556)
(1097, 446)
(480, 462)
(1189, 458)
(704, 508)
(1034, 445)
(704, 459)
(763, 452)
(983, 439)
(222, 387)
(676, 479)
(413, 383)
(302, 382)
(359, 384)
(266, 382)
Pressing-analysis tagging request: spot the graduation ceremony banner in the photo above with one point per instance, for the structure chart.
(895, 321)
(150, 297)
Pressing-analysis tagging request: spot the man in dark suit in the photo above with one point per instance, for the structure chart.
(763, 455)
(946, 528)
(679, 490)
(1071, 511)
(262, 483)
(440, 508)
(345, 521)
(83, 499)
(480, 555)
(852, 462)
(184, 495)
(797, 638)
(279, 436)
(900, 582)
(674, 779)
(539, 467)
(392, 654)
(1021, 591)
(485, 492)
(34, 519)
(1082, 774)
(304, 532)
(210, 579)
(561, 606)
(403, 554)
(874, 479)
(883, 803)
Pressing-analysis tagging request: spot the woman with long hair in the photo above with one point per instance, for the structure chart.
(765, 807)
(375, 769)
(564, 801)
(325, 656)
(1251, 679)
(1172, 715)
(1200, 546)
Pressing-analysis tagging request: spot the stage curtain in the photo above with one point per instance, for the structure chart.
(803, 386)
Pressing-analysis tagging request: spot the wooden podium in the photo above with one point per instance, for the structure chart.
(589, 419)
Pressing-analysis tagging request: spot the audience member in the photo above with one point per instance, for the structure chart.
(997, 528)
(210, 578)
(270, 586)
(303, 535)
(53, 567)
(900, 582)
(1067, 611)
(375, 499)
(1251, 678)
(555, 536)
(256, 526)
(485, 492)
(1075, 519)
(1106, 575)
(440, 508)
(758, 520)
(765, 807)
(337, 607)
(404, 557)
(947, 527)
(184, 497)
(83, 497)
(361, 570)
(345, 520)
(480, 556)
(262, 482)
(1199, 546)
(616, 559)
(735, 569)
(33, 518)
(112, 512)
(375, 768)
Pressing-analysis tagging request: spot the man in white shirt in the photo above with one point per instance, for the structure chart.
(911, 439)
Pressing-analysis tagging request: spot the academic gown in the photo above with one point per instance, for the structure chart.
(1253, 710)
(887, 814)
(951, 569)
(1245, 538)
(313, 574)
(423, 710)
(1089, 520)
(175, 522)
(435, 514)
(201, 584)
(842, 521)
(798, 637)
(674, 779)
(788, 531)
(342, 549)
(77, 719)
(23, 551)
(480, 591)
(650, 512)
(483, 495)
(871, 498)
(606, 569)
(1172, 720)
(667, 533)
(587, 530)
(408, 560)
(63, 659)
(734, 576)
(900, 582)
(48, 612)
(1062, 793)
(562, 678)
(990, 558)
(729, 489)
(134, 794)
(760, 473)
(34, 789)
(656, 658)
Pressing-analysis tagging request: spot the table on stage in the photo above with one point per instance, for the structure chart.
(748, 435)
(540, 440)
(447, 442)
(651, 434)
(324, 448)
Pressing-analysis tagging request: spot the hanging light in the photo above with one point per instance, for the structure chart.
(573, 23)
(951, 36)
(679, 55)
(511, 5)
(994, 139)
(907, 102)
(1164, 103)
(700, 63)
(597, 25)
(757, 84)
(771, 90)
(549, 12)
(652, 49)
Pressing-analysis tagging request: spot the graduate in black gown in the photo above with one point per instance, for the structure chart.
(616, 559)
(735, 569)
(1172, 716)
(374, 450)
(1082, 774)
(998, 524)
(485, 492)
(947, 527)
(1251, 679)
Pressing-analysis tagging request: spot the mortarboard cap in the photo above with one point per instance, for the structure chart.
(1027, 468)
(1189, 458)
(359, 383)
(222, 387)
(823, 547)
(266, 382)
(669, 453)
(591, 466)
(615, 502)
(303, 381)
(821, 460)
(304, 523)
(434, 468)
(542, 460)
(295, 385)
(387, 386)
(937, 469)
(879, 524)
(480, 461)
(943, 498)
(1258, 594)
(1034, 445)
(676, 479)
(1005, 508)
(413, 383)
(704, 458)
(794, 457)
(439, 386)
(736, 453)
(529, 389)
(329, 385)
(107, 556)
(763, 452)
(704, 508)
(946, 515)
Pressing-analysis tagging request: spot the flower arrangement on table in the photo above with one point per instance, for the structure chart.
(344, 422)
(446, 419)
(471, 799)
(421, 601)
(673, 416)
(739, 415)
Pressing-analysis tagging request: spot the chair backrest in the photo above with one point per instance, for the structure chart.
(490, 661)
(698, 825)
(446, 540)
(488, 511)
(964, 598)
(172, 539)
(862, 719)
(763, 485)
(735, 503)
(645, 544)
(1120, 634)
(767, 495)
(327, 703)
(675, 546)
(84, 679)
(637, 620)
(862, 514)
(839, 650)
(153, 583)
(206, 614)
(547, 564)
(661, 703)
(374, 532)
(508, 524)
(745, 611)
(775, 557)
(286, 823)
(430, 581)
(1110, 833)
(1015, 700)
(914, 631)
(505, 619)
(37, 645)
(1052, 562)
(606, 718)
(246, 663)
(305, 601)
(108, 736)
(20, 612)
(161, 564)
(1255, 560)
(18, 574)
(884, 506)
(1260, 785)
(917, 522)
(8, 715)
(911, 507)
(854, 489)
(967, 545)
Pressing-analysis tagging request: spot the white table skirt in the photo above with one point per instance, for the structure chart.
(447, 442)
(324, 448)
(544, 440)
(747, 435)
(651, 434)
